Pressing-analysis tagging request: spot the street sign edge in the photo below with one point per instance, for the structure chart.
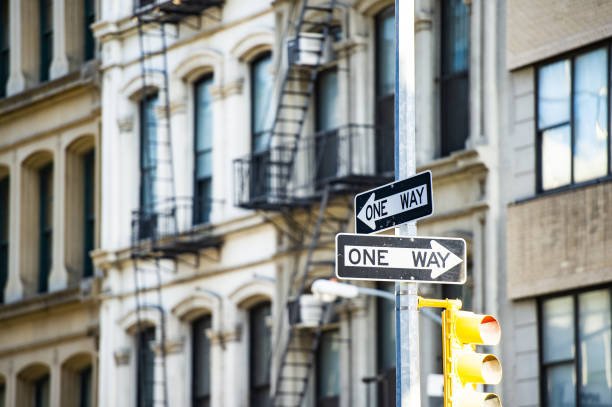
(405, 237)
(393, 226)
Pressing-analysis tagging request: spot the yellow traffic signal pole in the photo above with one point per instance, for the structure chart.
(408, 387)
(464, 368)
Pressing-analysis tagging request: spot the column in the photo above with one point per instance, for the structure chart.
(425, 72)
(59, 64)
(56, 383)
(14, 287)
(476, 133)
(359, 352)
(58, 279)
(16, 81)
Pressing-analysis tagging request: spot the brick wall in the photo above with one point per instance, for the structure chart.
(539, 29)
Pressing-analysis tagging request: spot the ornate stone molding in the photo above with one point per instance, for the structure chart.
(221, 337)
(231, 88)
(122, 356)
(126, 124)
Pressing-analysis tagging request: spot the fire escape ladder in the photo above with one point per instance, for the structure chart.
(305, 56)
(298, 340)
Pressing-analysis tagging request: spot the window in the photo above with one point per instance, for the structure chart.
(46, 226)
(41, 392)
(4, 234)
(148, 165)
(89, 214)
(385, 349)
(203, 150)
(326, 125)
(385, 91)
(575, 349)
(90, 18)
(454, 86)
(2, 395)
(572, 119)
(46, 38)
(261, 122)
(145, 371)
(4, 46)
(85, 382)
(328, 369)
(201, 362)
(259, 355)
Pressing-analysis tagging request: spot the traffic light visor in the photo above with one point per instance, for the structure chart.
(479, 368)
(477, 329)
(474, 398)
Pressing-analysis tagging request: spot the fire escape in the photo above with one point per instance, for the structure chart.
(163, 227)
(309, 182)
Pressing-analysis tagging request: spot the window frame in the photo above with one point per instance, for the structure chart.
(200, 216)
(255, 134)
(147, 220)
(578, 351)
(571, 56)
(89, 17)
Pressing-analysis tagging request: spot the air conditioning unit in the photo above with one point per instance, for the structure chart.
(306, 312)
(305, 48)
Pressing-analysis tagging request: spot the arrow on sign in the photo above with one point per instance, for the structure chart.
(438, 259)
(377, 209)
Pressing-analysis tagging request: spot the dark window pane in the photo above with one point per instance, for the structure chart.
(90, 18)
(85, 377)
(327, 121)
(385, 91)
(201, 362)
(89, 213)
(46, 38)
(556, 157)
(2, 395)
(262, 110)
(561, 385)
(595, 336)
(41, 392)
(385, 349)
(558, 329)
(259, 355)
(203, 150)
(145, 369)
(4, 45)
(454, 85)
(554, 94)
(46, 226)
(591, 116)
(328, 368)
(148, 165)
(4, 234)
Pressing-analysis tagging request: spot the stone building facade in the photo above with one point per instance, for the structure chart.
(49, 144)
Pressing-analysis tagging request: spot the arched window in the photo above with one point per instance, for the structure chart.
(33, 386)
(77, 381)
(201, 388)
(326, 124)
(203, 150)
(385, 90)
(261, 103)
(45, 196)
(259, 355)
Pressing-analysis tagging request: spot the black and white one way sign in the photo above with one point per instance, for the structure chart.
(393, 204)
(421, 259)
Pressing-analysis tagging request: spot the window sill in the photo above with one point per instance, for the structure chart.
(566, 188)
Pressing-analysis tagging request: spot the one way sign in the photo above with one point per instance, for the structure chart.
(421, 259)
(393, 204)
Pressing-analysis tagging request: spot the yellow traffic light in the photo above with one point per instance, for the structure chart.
(464, 368)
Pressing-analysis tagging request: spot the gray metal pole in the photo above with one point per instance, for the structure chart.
(408, 381)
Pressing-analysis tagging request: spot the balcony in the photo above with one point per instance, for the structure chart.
(171, 11)
(173, 228)
(344, 159)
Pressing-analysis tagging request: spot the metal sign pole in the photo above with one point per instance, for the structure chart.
(408, 391)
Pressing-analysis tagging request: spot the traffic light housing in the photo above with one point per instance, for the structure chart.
(464, 368)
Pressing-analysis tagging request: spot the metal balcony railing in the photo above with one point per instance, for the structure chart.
(344, 157)
(173, 227)
(172, 11)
